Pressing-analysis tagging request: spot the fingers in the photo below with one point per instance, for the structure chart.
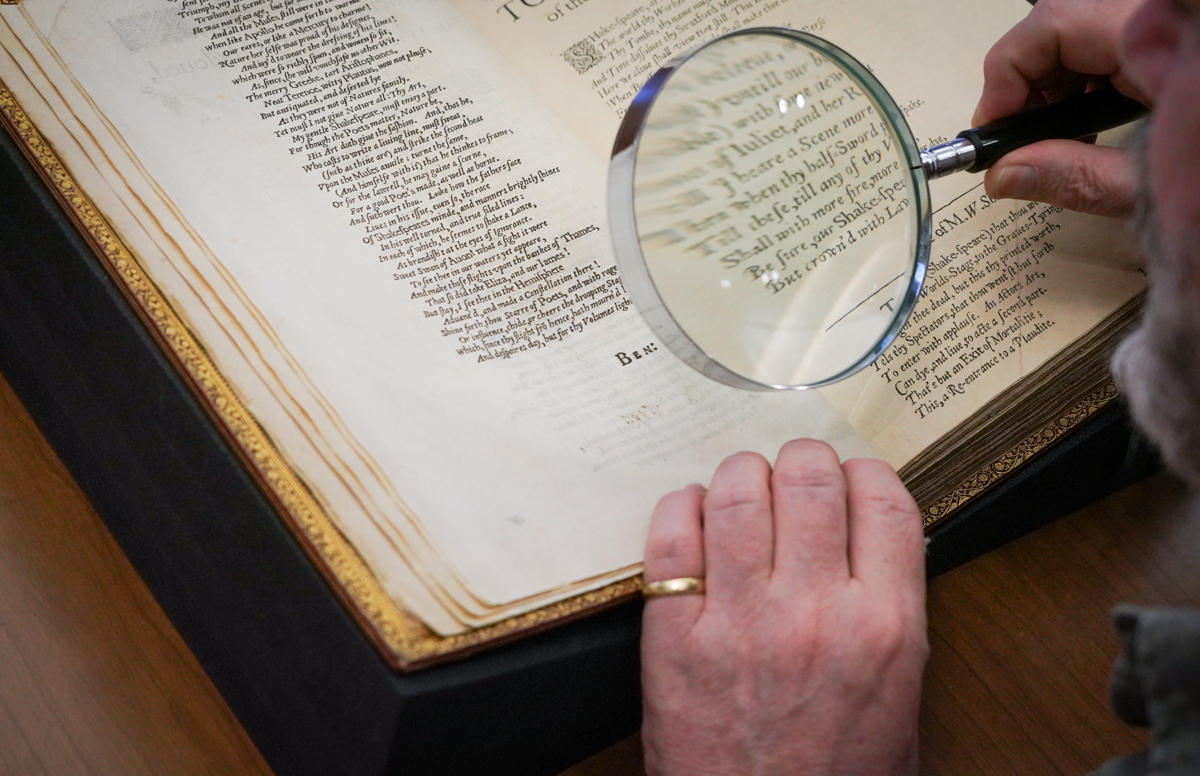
(809, 499)
(784, 678)
(675, 548)
(809, 524)
(738, 531)
(1072, 175)
(1027, 55)
(887, 547)
(1049, 49)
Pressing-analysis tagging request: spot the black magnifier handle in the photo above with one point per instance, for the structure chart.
(1083, 115)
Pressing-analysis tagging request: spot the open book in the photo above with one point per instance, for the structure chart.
(372, 235)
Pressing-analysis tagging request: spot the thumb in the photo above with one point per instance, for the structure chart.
(1073, 175)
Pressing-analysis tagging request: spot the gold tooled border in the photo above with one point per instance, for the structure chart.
(1010, 461)
(401, 638)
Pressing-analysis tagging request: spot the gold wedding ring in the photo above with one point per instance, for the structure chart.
(677, 586)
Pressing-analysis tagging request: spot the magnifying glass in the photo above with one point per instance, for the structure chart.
(770, 207)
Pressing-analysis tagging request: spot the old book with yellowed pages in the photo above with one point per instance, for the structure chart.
(371, 233)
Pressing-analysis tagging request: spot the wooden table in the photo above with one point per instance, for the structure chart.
(94, 680)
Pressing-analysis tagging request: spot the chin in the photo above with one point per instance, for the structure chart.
(1158, 369)
(1158, 365)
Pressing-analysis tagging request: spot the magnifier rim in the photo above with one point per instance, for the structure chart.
(623, 215)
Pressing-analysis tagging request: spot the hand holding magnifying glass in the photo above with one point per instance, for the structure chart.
(770, 208)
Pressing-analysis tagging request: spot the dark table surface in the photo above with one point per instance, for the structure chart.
(94, 679)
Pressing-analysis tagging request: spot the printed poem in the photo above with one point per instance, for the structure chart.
(423, 176)
(950, 342)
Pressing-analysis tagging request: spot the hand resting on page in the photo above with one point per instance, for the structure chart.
(805, 653)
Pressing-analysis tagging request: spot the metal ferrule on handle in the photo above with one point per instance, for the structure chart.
(975, 150)
(939, 160)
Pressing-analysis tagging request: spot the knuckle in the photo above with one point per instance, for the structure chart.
(738, 499)
(996, 60)
(674, 503)
(709, 653)
(810, 447)
(739, 480)
(919, 647)
(891, 634)
(796, 645)
(779, 650)
(1053, 11)
(1054, 15)
(894, 506)
(808, 464)
(888, 629)
(747, 457)
(1081, 187)
(696, 661)
(812, 479)
(875, 483)
(670, 546)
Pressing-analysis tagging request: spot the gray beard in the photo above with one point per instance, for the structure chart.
(1158, 364)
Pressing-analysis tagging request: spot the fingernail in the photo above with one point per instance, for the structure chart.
(1017, 182)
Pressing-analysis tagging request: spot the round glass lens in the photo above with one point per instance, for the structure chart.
(780, 210)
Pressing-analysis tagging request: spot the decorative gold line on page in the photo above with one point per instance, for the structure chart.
(317, 530)
(403, 639)
(1013, 459)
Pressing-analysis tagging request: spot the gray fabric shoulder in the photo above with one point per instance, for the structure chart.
(1156, 684)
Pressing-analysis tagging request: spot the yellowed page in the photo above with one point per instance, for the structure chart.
(407, 274)
(1009, 285)
(497, 449)
(589, 59)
